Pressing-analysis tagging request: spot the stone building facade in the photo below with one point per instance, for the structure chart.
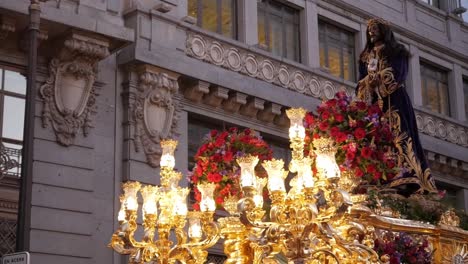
(116, 76)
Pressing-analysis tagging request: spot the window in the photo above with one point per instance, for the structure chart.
(12, 107)
(337, 52)
(465, 92)
(434, 86)
(435, 3)
(215, 15)
(278, 29)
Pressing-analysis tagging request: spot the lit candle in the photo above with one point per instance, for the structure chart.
(276, 174)
(296, 116)
(167, 158)
(247, 164)
(195, 228)
(180, 206)
(130, 192)
(207, 203)
(150, 198)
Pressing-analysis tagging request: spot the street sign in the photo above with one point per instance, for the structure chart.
(16, 258)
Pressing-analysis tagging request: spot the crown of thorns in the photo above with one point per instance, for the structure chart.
(374, 21)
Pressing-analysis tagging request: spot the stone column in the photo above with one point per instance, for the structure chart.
(248, 23)
(457, 96)
(413, 81)
(462, 199)
(310, 33)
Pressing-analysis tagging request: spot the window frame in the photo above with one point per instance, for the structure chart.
(219, 27)
(465, 95)
(325, 28)
(437, 73)
(3, 93)
(265, 7)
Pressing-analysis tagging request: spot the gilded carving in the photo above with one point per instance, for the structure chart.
(69, 93)
(153, 111)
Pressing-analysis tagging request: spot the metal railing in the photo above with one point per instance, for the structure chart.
(7, 236)
(10, 162)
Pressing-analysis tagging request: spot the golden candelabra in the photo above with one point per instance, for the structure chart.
(173, 214)
(311, 223)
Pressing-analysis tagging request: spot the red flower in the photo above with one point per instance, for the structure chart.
(339, 118)
(323, 125)
(309, 119)
(214, 177)
(228, 156)
(325, 115)
(196, 206)
(371, 168)
(366, 152)
(340, 137)
(359, 133)
(219, 200)
(358, 172)
(213, 133)
(350, 155)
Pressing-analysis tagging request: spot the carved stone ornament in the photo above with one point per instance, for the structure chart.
(154, 111)
(69, 93)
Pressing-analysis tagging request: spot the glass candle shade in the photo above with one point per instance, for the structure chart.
(207, 203)
(305, 170)
(167, 158)
(326, 163)
(247, 164)
(258, 197)
(121, 215)
(296, 117)
(150, 198)
(130, 192)
(195, 228)
(276, 174)
(180, 201)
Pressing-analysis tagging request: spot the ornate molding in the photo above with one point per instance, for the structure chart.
(153, 111)
(7, 26)
(261, 67)
(443, 129)
(69, 93)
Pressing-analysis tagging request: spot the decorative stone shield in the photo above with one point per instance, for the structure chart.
(154, 112)
(69, 92)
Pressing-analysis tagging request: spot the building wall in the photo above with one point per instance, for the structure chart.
(76, 187)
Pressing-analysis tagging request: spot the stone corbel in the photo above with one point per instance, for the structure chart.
(154, 112)
(216, 96)
(234, 102)
(194, 90)
(282, 120)
(252, 107)
(270, 112)
(7, 26)
(69, 93)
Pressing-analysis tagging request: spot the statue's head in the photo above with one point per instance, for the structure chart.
(378, 30)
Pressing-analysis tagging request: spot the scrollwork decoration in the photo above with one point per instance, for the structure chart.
(154, 112)
(69, 93)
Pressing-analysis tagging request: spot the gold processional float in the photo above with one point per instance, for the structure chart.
(316, 221)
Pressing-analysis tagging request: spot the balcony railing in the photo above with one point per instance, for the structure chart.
(10, 162)
(7, 236)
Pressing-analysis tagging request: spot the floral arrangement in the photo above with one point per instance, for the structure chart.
(216, 161)
(402, 248)
(364, 143)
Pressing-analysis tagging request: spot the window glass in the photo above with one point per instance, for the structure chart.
(13, 116)
(15, 82)
(337, 51)
(215, 15)
(434, 86)
(278, 29)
